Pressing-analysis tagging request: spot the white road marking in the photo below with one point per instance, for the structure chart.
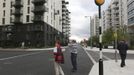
(94, 62)
(106, 57)
(19, 56)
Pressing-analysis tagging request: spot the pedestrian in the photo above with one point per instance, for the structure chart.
(59, 58)
(122, 47)
(74, 51)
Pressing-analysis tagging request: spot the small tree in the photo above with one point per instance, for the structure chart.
(108, 37)
(94, 40)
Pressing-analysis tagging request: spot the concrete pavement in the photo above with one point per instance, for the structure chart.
(111, 67)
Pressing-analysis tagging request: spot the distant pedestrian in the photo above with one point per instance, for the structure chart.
(122, 47)
(74, 51)
(59, 58)
(23, 45)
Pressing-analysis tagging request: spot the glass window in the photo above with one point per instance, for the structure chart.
(4, 4)
(4, 13)
(28, 2)
(28, 10)
(27, 18)
(11, 12)
(11, 4)
(3, 21)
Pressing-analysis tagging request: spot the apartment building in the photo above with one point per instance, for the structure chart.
(130, 10)
(65, 22)
(36, 23)
(116, 14)
(94, 25)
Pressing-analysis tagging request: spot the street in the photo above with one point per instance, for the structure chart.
(26, 63)
(41, 62)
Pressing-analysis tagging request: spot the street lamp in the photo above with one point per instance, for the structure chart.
(90, 32)
(99, 3)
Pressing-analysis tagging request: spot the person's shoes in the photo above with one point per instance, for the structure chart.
(122, 65)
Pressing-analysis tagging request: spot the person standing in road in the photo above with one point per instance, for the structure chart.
(74, 51)
(59, 58)
(122, 47)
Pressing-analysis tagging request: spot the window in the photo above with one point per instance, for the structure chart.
(4, 13)
(11, 4)
(11, 12)
(27, 18)
(3, 21)
(4, 4)
(28, 2)
(28, 10)
(10, 19)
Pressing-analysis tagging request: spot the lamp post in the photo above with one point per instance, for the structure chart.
(90, 32)
(99, 3)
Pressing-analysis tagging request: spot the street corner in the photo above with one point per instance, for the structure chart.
(113, 68)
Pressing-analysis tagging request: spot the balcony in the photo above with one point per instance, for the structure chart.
(17, 20)
(63, 6)
(17, 12)
(39, 1)
(116, 7)
(115, 2)
(38, 9)
(18, 4)
(38, 18)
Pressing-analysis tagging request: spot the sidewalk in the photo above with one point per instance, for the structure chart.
(113, 68)
(24, 49)
(108, 50)
(27, 49)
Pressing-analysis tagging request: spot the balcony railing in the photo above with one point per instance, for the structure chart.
(115, 2)
(38, 18)
(115, 7)
(17, 12)
(17, 20)
(17, 3)
(39, 9)
(39, 1)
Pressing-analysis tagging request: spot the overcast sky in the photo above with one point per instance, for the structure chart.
(80, 26)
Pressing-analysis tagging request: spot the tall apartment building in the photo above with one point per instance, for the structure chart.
(130, 7)
(65, 22)
(94, 25)
(116, 14)
(36, 23)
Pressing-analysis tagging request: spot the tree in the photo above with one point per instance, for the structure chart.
(94, 40)
(108, 37)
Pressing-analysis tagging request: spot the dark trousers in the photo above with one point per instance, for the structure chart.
(74, 61)
(123, 57)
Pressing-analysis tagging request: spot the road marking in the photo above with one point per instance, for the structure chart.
(106, 57)
(94, 62)
(19, 56)
(58, 69)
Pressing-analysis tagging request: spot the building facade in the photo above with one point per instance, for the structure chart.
(36, 23)
(130, 7)
(94, 27)
(116, 14)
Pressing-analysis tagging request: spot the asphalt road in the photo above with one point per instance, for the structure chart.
(26, 63)
(83, 62)
(41, 63)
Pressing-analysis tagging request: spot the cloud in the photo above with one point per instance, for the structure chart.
(80, 26)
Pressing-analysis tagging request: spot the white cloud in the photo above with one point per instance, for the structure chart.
(80, 26)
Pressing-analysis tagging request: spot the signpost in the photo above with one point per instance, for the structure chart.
(99, 3)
